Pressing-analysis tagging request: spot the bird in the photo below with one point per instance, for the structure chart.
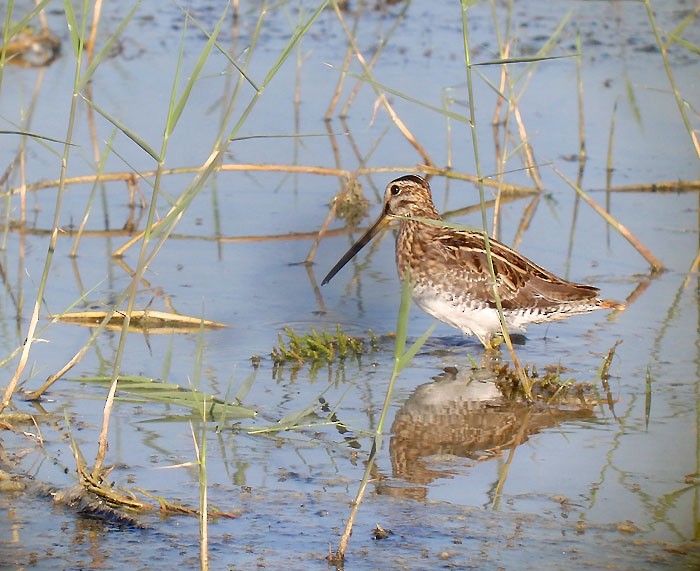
(450, 275)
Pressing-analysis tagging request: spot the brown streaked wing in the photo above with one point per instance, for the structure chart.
(460, 259)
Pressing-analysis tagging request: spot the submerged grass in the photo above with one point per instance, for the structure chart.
(146, 389)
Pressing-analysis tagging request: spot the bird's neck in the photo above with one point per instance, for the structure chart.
(411, 241)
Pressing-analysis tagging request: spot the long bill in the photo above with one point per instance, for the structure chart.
(373, 230)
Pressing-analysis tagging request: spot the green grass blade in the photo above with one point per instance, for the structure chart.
(636, 113)
(124, 129)
(107, 47)
(146, 389)
(522, 59)
(402, 324)
(647, 398)
(19, 26)
(692, 48)
(415, 347)
(296, 38)
(35, 136)
(225, 52)
(385, 88)
(174, 116)
(674, 36)
(73, 32)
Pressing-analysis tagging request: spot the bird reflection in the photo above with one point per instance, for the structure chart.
(461, 416)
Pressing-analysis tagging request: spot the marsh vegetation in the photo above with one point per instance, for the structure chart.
(178, 178)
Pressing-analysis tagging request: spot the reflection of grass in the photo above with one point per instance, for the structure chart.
(402, 359)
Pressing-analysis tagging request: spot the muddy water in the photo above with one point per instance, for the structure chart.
(613, 485)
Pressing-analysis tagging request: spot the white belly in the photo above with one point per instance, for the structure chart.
(472, 318)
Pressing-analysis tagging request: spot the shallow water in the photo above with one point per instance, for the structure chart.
(586, 489)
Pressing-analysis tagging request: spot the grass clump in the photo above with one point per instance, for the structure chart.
(548, 387)
(353, 206)
(318, 346)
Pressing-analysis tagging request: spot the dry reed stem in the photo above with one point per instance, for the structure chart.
(133, 178)
(380, 95)
(530, 163)
(343, 74)
(327, 222)
(500, 149)
(648, 256)
(90, 44)
(377, 52)
(339, 86)
(44, 22)
(224, 239)
(270, 168)
(525, 220)
(696, 263)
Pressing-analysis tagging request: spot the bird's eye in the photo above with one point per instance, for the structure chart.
(394, 189)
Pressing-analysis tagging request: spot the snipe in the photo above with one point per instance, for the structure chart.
(450, 275)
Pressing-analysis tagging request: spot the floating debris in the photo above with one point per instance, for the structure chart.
(141, 319)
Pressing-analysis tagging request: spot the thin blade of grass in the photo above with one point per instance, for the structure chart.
(292, 419)
(227, 55)
(415, 347)
(244, 389)
(19, 26)
(636, 113)
(692, 48)
(525, 382)
(73, 33)
(124, 129)
(402, 325)
(653, 261)
(97, 60)
(674, 35)
(174, 116)
(151, 390)
(530, 59)
(29, 338)
(299, 33)
(647, 399)
(40, 137)
(692, 133)
(383, 87)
